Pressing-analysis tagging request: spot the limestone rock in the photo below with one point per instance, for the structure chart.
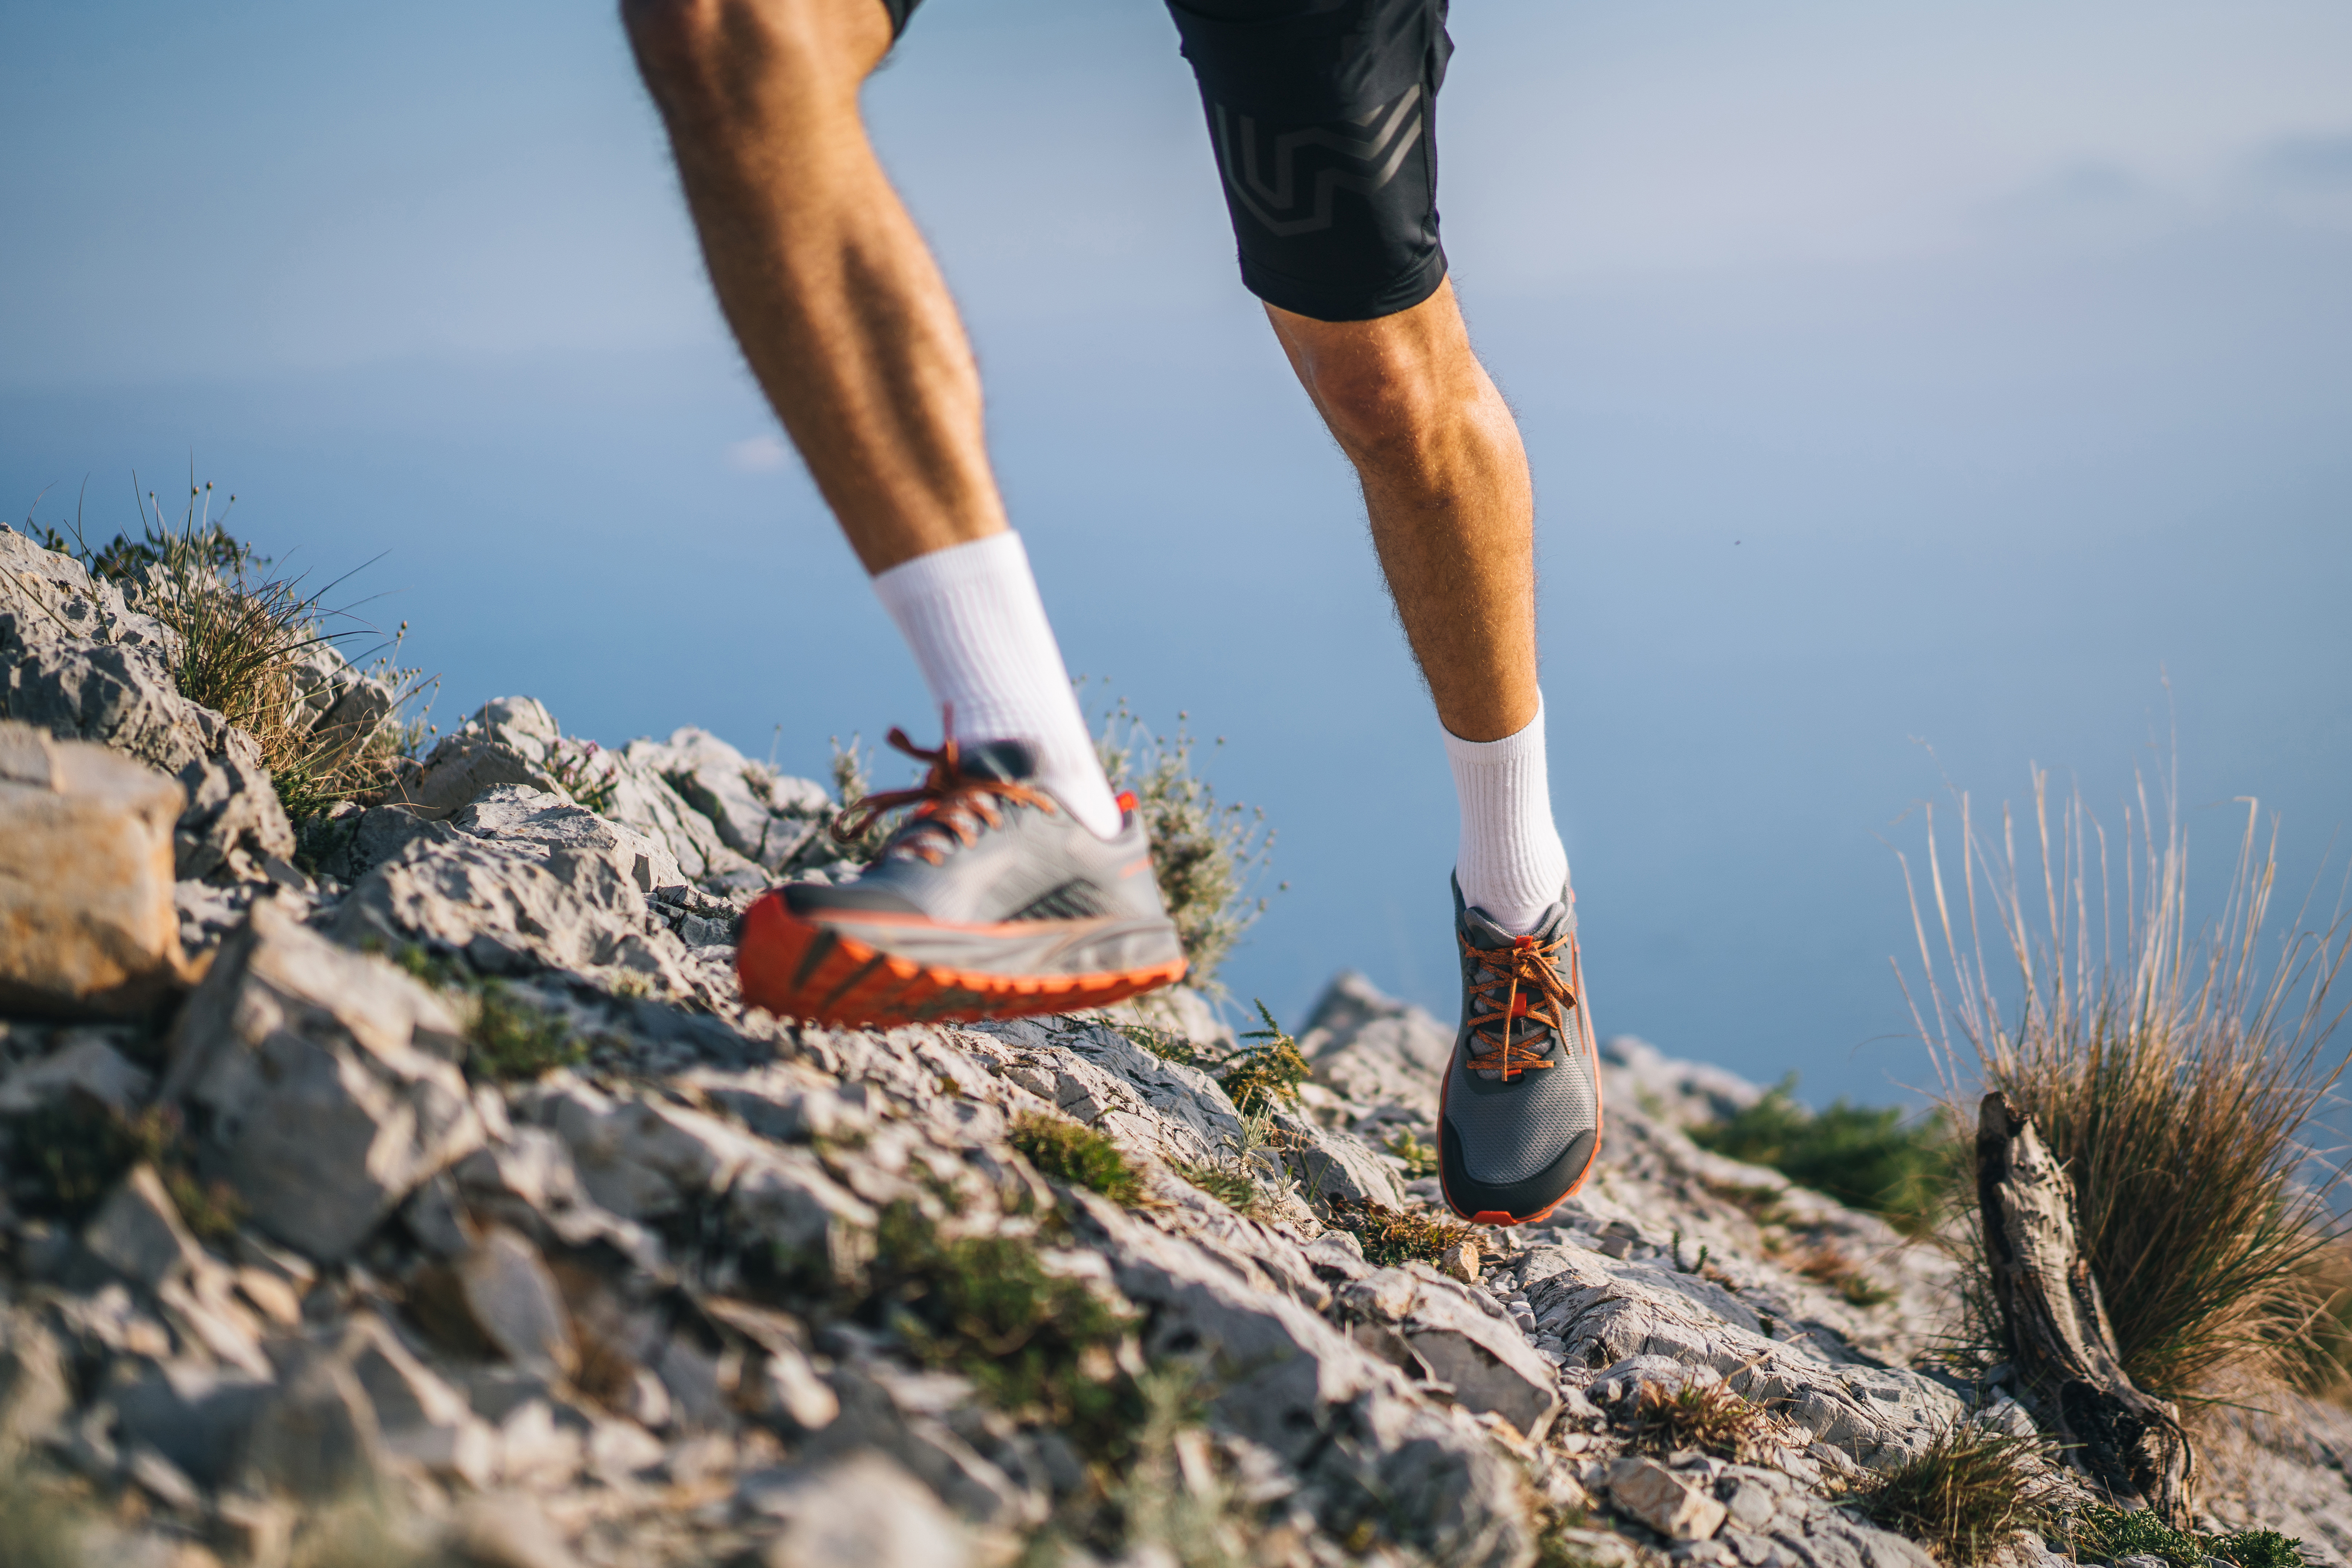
(510, 908)
(1372, 1049)
(546, 826)
(138, 1233)
(767, 817)
(34, 1393)
(75, 662)
(315, 1436)
(1678, 1507)
(326, 1080)
(861, 1512)
(84, 1063)
(87, 920)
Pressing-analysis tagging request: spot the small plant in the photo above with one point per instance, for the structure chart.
(851, 783)
(1707, 1416)
(511, 1039)
(587, 772)
(2100, 1532)
(1203, 851)
(65, 1157)
(1391, 1236)
(2175, 1077)
(1258, 1076)
(1078, 1154)
(249, 642)
(1165, 1043)
(1419, 1158)
(1825, 1265)
(1229, 1182)
(1865, 1158)
(1967, 1495)
(1039, 1346)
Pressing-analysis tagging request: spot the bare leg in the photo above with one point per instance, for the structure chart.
(830, 288)
(1445, 484)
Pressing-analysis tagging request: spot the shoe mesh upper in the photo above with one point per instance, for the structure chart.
(1508, 1131)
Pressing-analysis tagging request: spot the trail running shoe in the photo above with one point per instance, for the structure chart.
(1518, 1120)
(990, 901)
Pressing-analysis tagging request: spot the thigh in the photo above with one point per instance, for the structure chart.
(1322, 115)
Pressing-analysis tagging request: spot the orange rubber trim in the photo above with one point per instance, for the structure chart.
(798, 970)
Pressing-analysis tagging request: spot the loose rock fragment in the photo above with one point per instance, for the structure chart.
(327, 1082)
(87, 920)
(1677, 1507)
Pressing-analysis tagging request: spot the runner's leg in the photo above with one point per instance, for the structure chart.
(844, 319)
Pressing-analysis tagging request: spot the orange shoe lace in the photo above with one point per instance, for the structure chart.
(1545, 1001)
(948, 798)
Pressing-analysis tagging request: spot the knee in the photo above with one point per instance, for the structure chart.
(714, 55)
(1383, 401)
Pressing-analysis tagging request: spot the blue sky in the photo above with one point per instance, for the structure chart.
(1894, 377)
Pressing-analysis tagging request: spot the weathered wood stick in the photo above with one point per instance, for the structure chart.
(2129, 1443)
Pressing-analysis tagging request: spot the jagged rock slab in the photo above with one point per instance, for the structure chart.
(325, 1080)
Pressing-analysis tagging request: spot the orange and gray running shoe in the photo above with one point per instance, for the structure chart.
(1518, 1120)
(990, 901)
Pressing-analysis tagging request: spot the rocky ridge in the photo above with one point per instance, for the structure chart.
(462, 1201)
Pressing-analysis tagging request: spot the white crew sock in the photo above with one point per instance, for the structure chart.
(971, 614)
(1510, 862)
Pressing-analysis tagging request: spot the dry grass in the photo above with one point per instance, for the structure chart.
(247, 639)
(1204, 852)
(1707, 1416)
(1965, 1498)
(2176, 1074)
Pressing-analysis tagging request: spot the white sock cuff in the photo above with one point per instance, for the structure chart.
(1523, 744)
(974, 620)
(994, 565)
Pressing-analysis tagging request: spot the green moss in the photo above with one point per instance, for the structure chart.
(1867, 1158)
(1038, 1346)
(2102, 1532)
(1078, 1154)
(1966, 1496)
(65, 1157)
(513, 1040)
(1390, 1236)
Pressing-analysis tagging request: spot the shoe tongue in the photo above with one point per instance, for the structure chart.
(1485, 932)
(1005, 761)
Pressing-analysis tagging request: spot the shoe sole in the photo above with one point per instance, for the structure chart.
(797, 968)
(1599, 1122)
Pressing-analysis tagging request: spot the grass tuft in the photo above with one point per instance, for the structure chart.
(1256, 1078)
(2175, 1075)
(247, 639)
(1867, 1158)
(1204, 852)
(1419, 1158)
(65, 1157)
(1071, 1151)
(1391, 1236)
(1037, 1345)
(1707, 1416)
(1965, 1498)
(2102, 1532)
(1230, 1183)
(1826, 1265)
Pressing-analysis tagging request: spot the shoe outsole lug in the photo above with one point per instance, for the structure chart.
(798, 969)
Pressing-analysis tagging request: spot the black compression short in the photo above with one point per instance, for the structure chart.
(1323, 117)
